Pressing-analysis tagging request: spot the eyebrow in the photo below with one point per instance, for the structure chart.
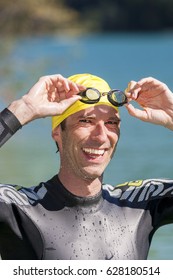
(93, 116)
(87, 116)
(115, 118)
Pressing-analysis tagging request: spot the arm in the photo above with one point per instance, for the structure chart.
(50, 96)
(155, 100)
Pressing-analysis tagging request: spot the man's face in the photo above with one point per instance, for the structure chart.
(88, 141)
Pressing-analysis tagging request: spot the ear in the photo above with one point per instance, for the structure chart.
(56, 133)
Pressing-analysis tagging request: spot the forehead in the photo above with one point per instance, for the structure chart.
(99, 112)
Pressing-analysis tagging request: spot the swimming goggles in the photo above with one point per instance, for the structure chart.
(115, 96)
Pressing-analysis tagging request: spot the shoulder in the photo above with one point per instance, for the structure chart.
(141, 190)
(10, 194)
(23, 196)
(19, 195)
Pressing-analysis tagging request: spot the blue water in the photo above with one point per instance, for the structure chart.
(144, 150)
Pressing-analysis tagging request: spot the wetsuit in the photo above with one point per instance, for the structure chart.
(48, 222)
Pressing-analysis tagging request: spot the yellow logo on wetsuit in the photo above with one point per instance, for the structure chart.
(136, 183)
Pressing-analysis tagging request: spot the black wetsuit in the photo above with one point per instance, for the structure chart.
(48, 222)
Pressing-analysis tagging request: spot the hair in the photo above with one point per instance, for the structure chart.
(63, 126)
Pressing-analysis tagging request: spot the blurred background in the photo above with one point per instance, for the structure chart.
(119, 40)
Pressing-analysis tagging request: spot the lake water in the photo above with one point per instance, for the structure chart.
(144, 151)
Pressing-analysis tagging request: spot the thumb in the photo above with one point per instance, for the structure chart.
(65, 104)
(137, 113)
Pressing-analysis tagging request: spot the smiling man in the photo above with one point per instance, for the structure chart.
(74, 215)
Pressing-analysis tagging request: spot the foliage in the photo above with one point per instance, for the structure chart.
(48, 16)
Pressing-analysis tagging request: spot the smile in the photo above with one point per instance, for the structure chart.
(94, 151)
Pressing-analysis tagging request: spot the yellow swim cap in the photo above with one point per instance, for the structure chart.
(86, 80)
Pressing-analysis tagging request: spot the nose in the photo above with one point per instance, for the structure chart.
(99, 133)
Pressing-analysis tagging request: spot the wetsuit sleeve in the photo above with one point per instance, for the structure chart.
(9, 124)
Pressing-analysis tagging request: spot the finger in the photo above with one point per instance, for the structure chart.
(70, 86)
(76, 88)
(152, 83)
(57, 81)
(137, 113)
(148, 80)
(130, 86)
(59, 108)
(63, 84)
(133, 95)
(132, 91)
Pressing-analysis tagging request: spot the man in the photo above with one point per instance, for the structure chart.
(73, 215)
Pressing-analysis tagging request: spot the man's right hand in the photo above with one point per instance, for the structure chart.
(50, 96)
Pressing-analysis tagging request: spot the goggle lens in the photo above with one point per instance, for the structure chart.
(92, 94)
(117, 97)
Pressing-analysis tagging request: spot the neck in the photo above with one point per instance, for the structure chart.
(79, 186)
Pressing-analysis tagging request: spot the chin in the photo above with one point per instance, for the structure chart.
(92, 175)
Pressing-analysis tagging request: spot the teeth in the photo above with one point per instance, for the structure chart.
(93, 151)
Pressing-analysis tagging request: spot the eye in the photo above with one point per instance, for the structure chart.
(112, 124)
(84, 121)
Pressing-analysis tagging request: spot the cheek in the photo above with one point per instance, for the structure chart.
(69, 143)
(114, 138)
